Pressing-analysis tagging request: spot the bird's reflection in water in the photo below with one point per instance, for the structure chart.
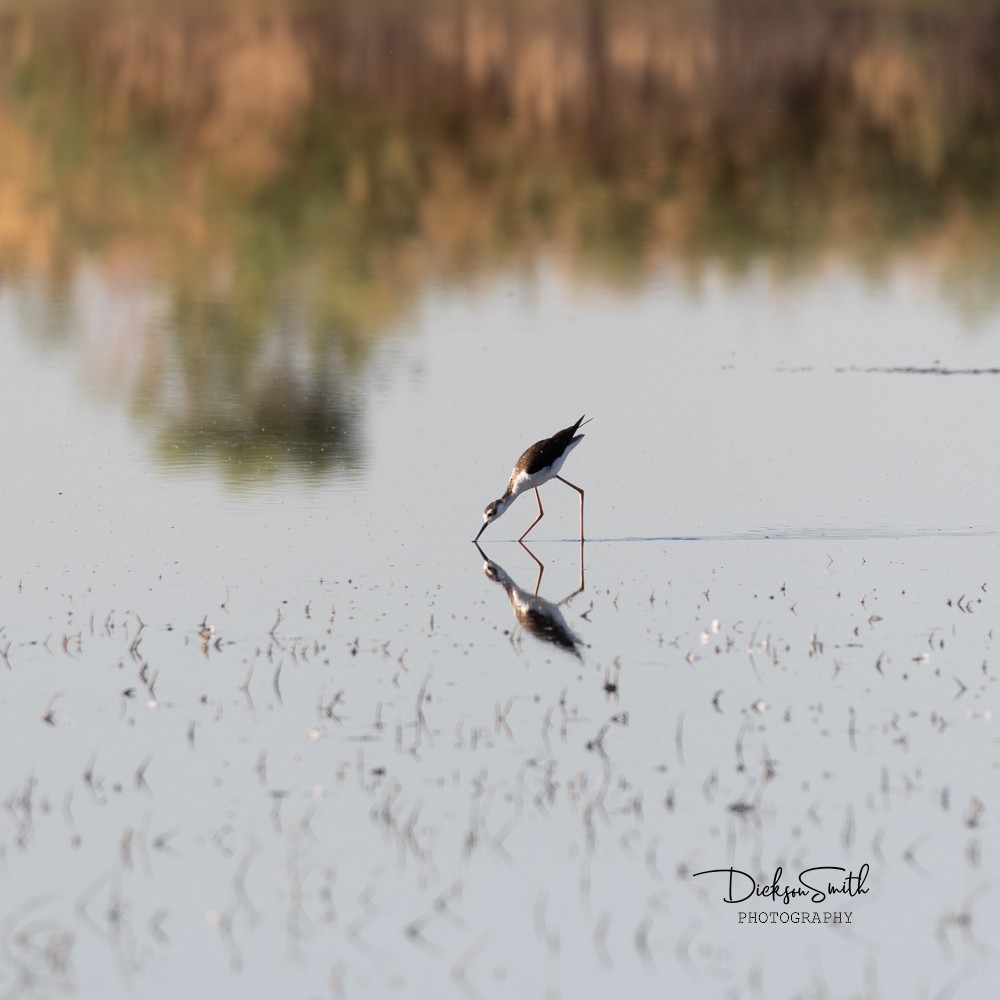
(541, 618)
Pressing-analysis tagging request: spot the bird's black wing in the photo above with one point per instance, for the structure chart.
(543, 453)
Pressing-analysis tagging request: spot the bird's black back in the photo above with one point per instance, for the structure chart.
(543, 453)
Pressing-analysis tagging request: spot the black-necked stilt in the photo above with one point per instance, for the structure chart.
(540, 463)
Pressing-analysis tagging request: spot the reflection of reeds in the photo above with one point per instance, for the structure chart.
(597, 126)
(340, 158)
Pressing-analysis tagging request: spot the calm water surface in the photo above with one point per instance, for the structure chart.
(273, 725)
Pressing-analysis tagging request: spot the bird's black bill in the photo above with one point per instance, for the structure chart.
(481, 530)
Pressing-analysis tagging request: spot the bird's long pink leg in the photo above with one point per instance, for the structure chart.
(541, 514)
(578, 490)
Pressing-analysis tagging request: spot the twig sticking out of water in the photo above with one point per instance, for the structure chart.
(354, 929)
(139, 778)
(460, 970)
(274, 682)
(439, 910)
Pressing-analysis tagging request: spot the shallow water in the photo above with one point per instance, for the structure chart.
(273, 725)
(291, 737)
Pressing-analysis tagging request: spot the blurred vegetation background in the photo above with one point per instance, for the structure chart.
(283, 181)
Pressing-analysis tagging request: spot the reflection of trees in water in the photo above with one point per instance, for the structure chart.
(265, 386)
(253, 401)
(347, 156)
(301, 420)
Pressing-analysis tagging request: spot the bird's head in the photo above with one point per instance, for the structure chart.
(491, 513)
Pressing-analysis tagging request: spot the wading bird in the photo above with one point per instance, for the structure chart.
(540, 463)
